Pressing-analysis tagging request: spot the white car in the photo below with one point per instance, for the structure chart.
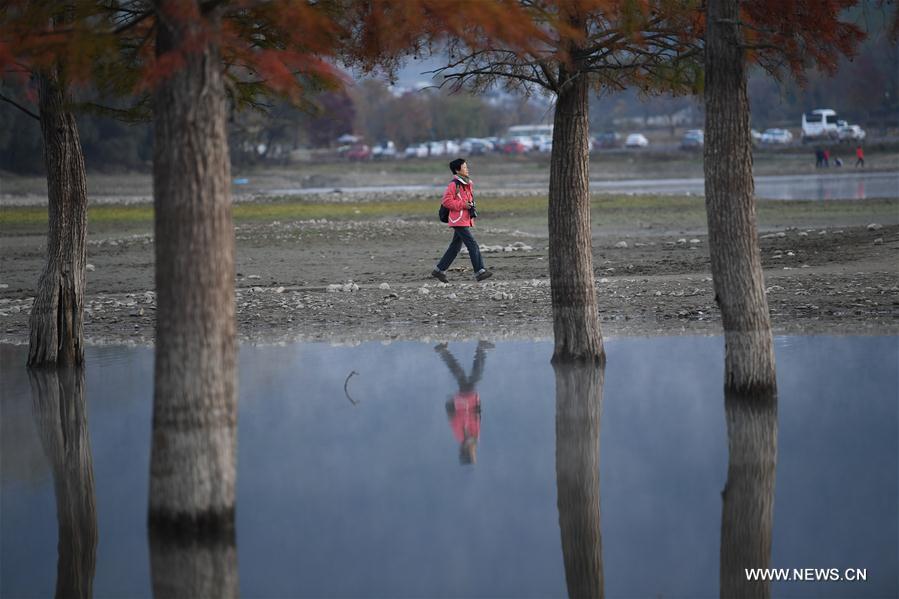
(636, 140)
(416, 151)
(851, 133)
(780, 137)
(384, 150)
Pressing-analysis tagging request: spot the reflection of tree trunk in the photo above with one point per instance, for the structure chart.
(58, 401)
(181, 566)
(578, 406)
(730, 204)
(56, 321)
(193, 459)
(573, 290)
(748, 496)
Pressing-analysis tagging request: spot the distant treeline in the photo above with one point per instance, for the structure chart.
(863, 91)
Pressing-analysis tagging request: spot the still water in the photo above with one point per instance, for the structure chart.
(433, 471)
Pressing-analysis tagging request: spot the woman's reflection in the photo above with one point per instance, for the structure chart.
(578, 407)
(57, 398)
(199, 565)
(748, 496)
(464, 409)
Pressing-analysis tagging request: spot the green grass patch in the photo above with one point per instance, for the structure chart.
(606, 210)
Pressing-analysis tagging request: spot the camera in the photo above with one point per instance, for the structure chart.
(473, 212)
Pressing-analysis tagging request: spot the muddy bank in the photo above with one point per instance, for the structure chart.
(352, 281)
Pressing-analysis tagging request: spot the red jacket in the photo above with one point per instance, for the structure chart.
(466, 417)
(456, 198)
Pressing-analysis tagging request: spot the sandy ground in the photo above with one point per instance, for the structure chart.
(349, 281)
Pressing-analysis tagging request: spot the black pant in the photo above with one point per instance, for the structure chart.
(462, 235)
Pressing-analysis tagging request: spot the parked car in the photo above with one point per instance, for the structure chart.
(780, 137)
(514, 146)
(416, 151)
(477, 147)
(542, 143)
(693, 139)
(359, 152)
(525, 141)
(608, 139)
(819, 124)
(636, 140)
(848, 132)
(384, 150)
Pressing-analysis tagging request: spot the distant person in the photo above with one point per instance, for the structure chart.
(859, 157)
(459, 199)
(819, 157)
(464, 409)
(826, 158)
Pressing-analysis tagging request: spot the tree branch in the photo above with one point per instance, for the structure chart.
(20, 107)
(125, 27)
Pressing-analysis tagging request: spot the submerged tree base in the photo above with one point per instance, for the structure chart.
(189, 527)
(191, 565)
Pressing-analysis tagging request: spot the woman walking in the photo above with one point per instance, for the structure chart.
(459, 200)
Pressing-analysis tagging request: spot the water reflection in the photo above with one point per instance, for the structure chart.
(748, 497)
(57, 398)
(578, 407)
(464, 408)
(191, 566)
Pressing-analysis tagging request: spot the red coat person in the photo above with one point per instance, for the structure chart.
(456, 198)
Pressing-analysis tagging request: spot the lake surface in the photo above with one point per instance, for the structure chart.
(851, 185)
(372, 486)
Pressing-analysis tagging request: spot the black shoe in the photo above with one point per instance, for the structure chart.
(484, 274)
(440, 276)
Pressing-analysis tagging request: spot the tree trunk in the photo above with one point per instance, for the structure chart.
(730, 205)
(183, 567)
(56, 321)
(747, 514)
(57, 398)
(193, 459)
(578, 408)
(573, 290)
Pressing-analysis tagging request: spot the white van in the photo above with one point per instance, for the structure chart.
(819, 124)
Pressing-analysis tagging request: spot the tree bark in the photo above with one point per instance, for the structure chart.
(183, 567)
(573, 290)
(193, 459)
(578, 408)
(747, 513)
(57, 315)
(57, 398)
(730, 205)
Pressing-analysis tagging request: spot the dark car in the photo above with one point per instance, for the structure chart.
(693, 139)
(608, 139)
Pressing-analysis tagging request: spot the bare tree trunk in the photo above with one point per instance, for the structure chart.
(57, 398)
(573, 290)
(747, 514)
(56, 321)
(194, 452)
(730, 205)
(188, 567)
(578, 408)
